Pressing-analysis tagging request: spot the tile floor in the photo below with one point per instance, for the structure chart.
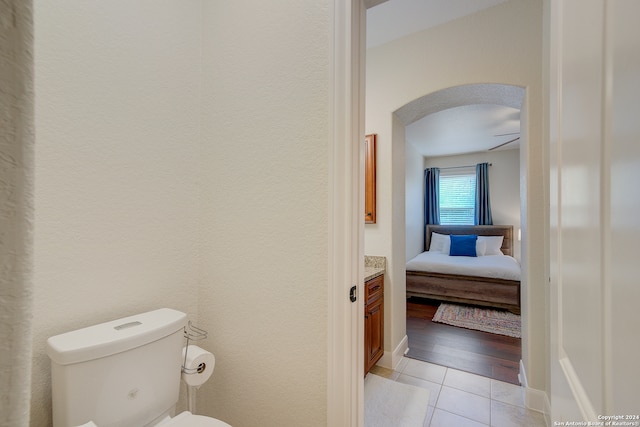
(464, 400)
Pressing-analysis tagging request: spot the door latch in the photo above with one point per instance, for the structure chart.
(352, 293)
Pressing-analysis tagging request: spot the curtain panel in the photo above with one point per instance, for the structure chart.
(483, 203)
(431, 199)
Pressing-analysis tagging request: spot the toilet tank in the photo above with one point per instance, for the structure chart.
(122, 373)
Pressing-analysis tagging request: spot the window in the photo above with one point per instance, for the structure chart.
(457, 198)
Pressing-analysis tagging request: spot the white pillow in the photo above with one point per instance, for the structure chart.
(440, 243)
(492, 244)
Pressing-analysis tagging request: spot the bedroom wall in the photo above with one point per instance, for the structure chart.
(116, 166)
(502, 45)
(504, 184)
(265, 204)
(414, 196)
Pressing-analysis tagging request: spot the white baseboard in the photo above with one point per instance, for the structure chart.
(391, 359)
(536, 400)
(522, 376)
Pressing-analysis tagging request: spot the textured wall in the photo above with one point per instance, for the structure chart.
(182, 161)
(265, 199)
(117, 196)
(16, 209)
(502, 44)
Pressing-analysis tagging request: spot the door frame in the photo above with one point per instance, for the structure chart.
(345, 363)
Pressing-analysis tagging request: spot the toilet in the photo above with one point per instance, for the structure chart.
(123, 373)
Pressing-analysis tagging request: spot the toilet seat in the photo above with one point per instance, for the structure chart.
(187, 419)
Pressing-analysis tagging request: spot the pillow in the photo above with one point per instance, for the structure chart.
(463, 245)
(439, 243)
(492, 244)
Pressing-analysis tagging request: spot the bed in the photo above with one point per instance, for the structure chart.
(447, 278)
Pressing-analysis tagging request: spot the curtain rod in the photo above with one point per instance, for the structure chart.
(460, 167)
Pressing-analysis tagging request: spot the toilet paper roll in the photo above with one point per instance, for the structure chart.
(198, 366)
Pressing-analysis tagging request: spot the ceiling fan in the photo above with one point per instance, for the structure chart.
(508, 142)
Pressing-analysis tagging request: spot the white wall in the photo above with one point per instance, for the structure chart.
(117, 183)
(502, 45)
(504, 184)
(414, 200)
(265, 209)
(16, 210)
(182, 161)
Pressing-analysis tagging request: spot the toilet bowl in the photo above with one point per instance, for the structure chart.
(187, 419)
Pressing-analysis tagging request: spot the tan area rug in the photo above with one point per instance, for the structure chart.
(481, 319)
(392, 404)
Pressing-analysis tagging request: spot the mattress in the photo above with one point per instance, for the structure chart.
(493, 266)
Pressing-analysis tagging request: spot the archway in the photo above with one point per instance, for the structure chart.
(457, 96)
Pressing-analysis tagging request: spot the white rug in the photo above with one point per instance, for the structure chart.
(391, 404)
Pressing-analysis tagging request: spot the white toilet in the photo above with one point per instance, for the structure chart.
(123, 373)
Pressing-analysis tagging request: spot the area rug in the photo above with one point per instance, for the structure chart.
(392, 404)
(481, 319)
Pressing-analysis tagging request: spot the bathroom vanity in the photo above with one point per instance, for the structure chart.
(373, 311)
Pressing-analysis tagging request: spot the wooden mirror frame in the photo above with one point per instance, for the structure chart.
(370, 179)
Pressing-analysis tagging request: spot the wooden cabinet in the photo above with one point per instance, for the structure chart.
(373, 322)
(370, 179)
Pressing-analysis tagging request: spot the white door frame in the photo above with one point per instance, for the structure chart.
(345, 366)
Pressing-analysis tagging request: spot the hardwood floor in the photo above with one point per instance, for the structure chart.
(481, 353)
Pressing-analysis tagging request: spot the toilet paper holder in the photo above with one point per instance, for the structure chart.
(193, 333)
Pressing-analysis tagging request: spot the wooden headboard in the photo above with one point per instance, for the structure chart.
(480, 230)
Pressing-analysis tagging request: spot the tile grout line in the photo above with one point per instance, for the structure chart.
(441, 384)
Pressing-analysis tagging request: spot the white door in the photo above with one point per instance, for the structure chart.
(595, 209)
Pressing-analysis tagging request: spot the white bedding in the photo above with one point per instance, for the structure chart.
(494, 266)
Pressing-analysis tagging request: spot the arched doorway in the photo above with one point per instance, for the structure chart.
(500, 97)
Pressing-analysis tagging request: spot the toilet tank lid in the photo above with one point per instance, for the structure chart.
(115, 336)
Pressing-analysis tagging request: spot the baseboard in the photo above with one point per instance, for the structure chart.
(536, 400)
(391, 359)
(522, 376)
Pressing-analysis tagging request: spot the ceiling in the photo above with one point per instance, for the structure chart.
(478, 126)
(465, 129)
(392, 19)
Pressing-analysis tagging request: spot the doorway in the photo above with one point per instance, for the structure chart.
(429, 141)
(399, 72)
(519, 67)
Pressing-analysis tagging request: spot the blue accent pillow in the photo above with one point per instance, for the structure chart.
(463, 245)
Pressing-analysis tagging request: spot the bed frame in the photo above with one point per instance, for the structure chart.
(483, 291)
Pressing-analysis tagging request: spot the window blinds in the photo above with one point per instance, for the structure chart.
(457, 198)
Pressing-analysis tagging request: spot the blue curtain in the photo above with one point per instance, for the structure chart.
(483, 204)
(431, 198)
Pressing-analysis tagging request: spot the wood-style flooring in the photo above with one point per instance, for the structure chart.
(477, 352)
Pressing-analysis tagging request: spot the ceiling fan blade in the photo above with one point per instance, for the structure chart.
(504, 143)
(506, 134)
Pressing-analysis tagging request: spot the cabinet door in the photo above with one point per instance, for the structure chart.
(370, 179)
(374, 346)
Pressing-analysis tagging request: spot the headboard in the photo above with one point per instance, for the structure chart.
(480, 230)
